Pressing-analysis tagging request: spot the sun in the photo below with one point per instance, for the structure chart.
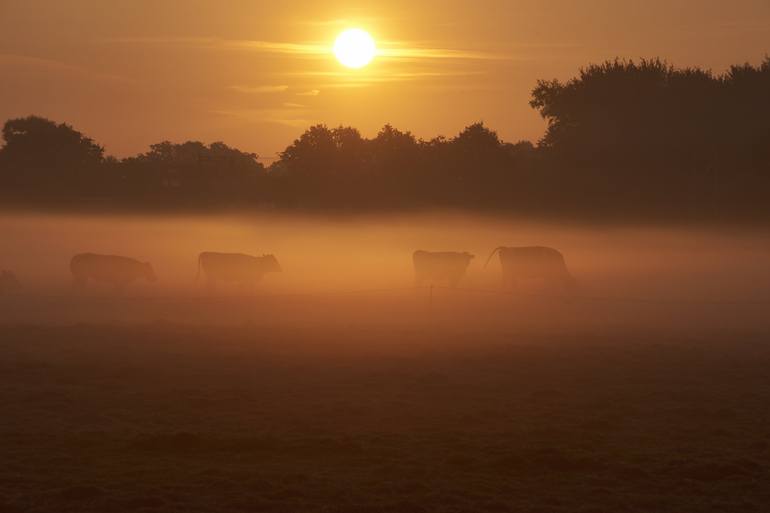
(355, 48)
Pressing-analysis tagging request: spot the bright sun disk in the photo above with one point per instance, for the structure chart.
(355, 48)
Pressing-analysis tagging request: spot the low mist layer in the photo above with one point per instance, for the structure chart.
(338, 381)
(360, 270)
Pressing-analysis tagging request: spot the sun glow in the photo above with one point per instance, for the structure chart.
(355, 48)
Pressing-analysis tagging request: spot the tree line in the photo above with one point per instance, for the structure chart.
(624, 139)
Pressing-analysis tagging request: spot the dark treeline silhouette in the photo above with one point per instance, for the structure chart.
(625, 139)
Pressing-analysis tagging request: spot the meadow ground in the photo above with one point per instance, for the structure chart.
(393, 406)
(334, 387)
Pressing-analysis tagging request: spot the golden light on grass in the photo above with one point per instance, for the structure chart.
(355, 48)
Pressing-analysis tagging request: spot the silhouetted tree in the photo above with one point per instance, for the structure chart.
(42, 160)
(193, 174)
(324, 166)
(648, 135)
(624, 138)
(394, 168)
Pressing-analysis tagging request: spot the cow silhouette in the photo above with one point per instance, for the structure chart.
(118, 271)
(437, 268)
(534, 263)
(246, 270)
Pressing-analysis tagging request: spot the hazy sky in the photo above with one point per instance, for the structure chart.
(255, 74)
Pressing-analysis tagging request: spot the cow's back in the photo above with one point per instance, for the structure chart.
(532, 255)
(445, 265)
(229, 266)
(534, 262)
(106, 268)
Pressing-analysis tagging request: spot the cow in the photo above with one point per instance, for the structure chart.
(534, 263)
(118, 271)
(9, 284)
(440, 267)
(245, 270)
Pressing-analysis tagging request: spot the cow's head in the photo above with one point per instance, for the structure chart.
(271, 264)
(149, 273)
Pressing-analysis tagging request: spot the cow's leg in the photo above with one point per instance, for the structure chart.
(509, 281)
(550, 285)
(252, 290)
(247, 287)
(568, 285)
(79, 283)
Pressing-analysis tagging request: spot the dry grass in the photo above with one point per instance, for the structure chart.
(169, 417)
(303, 399)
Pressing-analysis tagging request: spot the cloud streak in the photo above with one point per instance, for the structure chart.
(307, 49)
(265, 89)
(292, 115)
(404, 51)
(57, 66)
(341, 79)
(387, 49)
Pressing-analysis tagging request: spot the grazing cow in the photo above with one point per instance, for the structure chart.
(537, 263)
(246, 270)
(9, 284)
(118, 271)
(441, 267)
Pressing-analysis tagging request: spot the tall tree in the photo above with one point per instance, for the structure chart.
(42, 158)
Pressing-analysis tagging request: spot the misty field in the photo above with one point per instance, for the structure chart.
(337, 386)
(174, 418)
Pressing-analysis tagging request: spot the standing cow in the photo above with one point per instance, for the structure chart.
(245, 270)
(118, 271)
(440, 267)
(534, 263)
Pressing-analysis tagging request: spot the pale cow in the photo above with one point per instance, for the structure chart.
(118, 271)
(534, 264)
(239, 268)
(440, 267)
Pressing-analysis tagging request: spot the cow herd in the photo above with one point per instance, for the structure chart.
(533, 263)
(120, 271)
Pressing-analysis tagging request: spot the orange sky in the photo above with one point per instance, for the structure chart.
(255, 74)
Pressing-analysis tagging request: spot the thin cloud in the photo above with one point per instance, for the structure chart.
(388, 49)
(343, 22)
(229, 44)
(275, 47)
(346, 80)
(403, 51)
(53, 65)
(294, 123)
(266, 89)
(383, 75)
(289, 116)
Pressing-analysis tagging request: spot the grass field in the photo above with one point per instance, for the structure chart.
(334, 387)
(329, 416)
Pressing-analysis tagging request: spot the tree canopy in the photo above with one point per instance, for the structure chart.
(623, 138)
